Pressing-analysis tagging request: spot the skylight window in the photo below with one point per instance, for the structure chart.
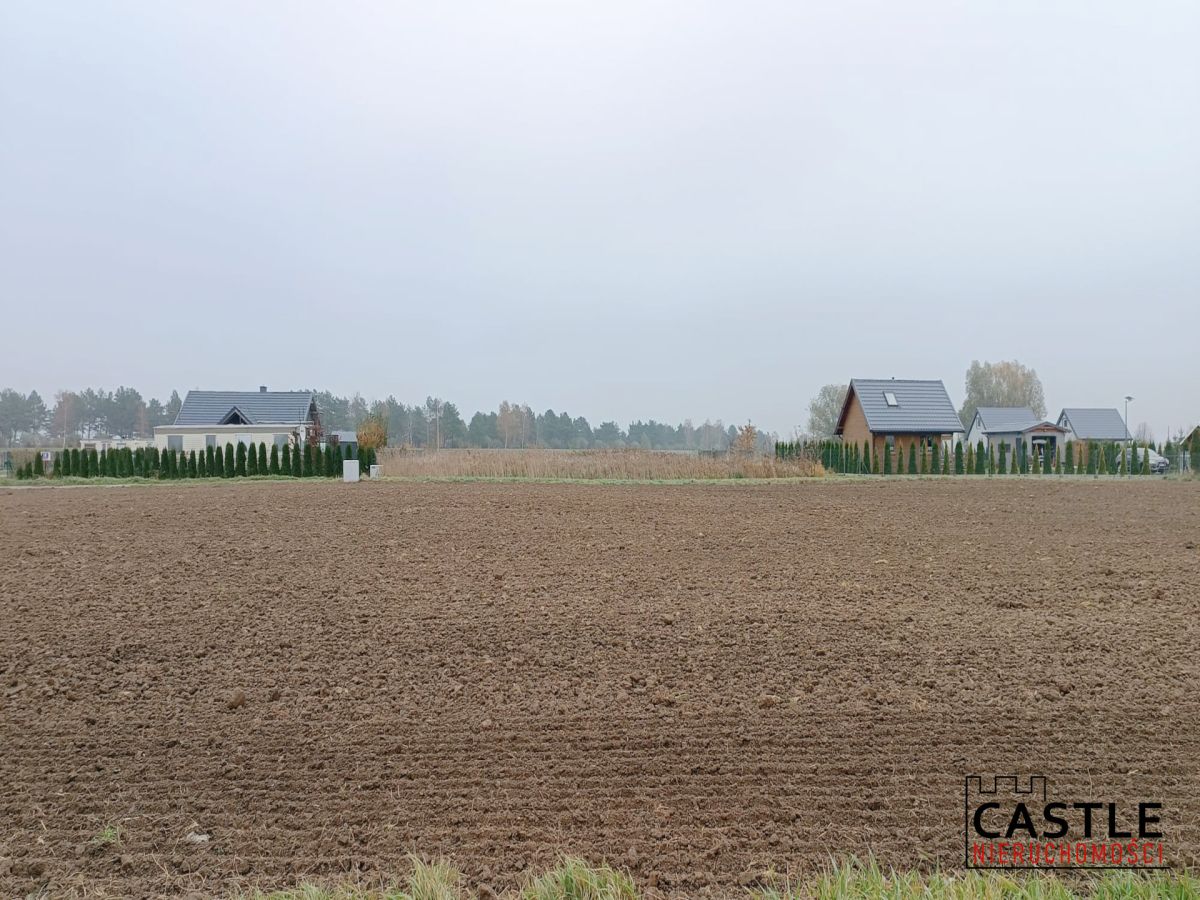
(890, 399)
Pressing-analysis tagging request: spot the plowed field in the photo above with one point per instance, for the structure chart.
(257, 684)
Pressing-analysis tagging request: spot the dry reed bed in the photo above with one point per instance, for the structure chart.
(638, 465)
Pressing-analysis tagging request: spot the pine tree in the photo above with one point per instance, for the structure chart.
(229, 464)
(262, 458)
(887, 459)
(958, 458)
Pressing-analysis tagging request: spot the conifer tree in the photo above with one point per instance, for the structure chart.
(969, 467)
(103, 462)
(262, 458)
(887, 459)
(240, 463)
(870, 464)
(201, 464)
(63, 468)
(980, 458)
(39, 468)
(1146, 460)
(1068, 461)
(1103, 467)
(899, 458)
(934, 465)
(230, 468)
(252, 460)
(1003, 467)
(958, 458)
(329, 463)
(1037, 466)
(274, 464)
(191, 464)
(297, 468)
(924, 468)
(307, 470)
(914, 451)
(286, 463)
(93, 464)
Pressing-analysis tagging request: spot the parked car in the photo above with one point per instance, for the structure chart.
(1158, 464)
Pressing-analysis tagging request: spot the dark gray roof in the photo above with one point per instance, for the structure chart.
(346, 437)
(1006, 419)
(260, 407)
(923, 407)
(1094, 424)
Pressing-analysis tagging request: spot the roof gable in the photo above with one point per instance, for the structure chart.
(253, 407)
(1094, 424)
(921, 407)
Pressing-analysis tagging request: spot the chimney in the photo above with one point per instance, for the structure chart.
(262, 388)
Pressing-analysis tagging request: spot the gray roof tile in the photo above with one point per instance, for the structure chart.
(260, 407)
(1006, 419)
(923, 407)
(1094, 424)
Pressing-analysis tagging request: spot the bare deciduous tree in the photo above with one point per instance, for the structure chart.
(1005, 383)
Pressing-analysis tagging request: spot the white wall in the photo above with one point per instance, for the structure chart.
(196, 438)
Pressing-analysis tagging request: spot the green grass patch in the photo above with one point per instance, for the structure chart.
(574, 879)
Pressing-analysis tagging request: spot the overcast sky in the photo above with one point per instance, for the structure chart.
(621, 209)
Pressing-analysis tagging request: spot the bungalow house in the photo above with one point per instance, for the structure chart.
(215, 418)
(1100, 425)
(1014, 425)
(895, 412)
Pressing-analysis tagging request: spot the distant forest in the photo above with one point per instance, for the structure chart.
(27, 420)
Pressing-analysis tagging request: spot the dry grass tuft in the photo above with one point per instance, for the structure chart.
(597, 465)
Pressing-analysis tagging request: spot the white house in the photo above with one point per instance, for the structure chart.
(1013, 425)
(1103, 425)
(215, 418)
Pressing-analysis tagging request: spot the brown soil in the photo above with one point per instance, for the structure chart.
(697, 683)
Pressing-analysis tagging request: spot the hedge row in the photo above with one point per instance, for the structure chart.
(1089, 458)
(214, 462)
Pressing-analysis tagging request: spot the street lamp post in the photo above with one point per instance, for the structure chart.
(1128, 444)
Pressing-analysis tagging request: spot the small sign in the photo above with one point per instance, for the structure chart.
(47, 456)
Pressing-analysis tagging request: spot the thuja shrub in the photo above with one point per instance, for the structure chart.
(307, 470)
(262, 458)
(273, 466)
(970, 466)
(297, 466)
(240, 465)
(980, 459)
(913, 452)
(887, 459)
(286, 464)
(229, 465)
(958, 458)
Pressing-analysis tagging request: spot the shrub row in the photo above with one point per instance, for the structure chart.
(214, 462)
(1091, 458)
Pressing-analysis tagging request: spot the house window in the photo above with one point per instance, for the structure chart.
(175, 442)
(210, 440)
(890, 399)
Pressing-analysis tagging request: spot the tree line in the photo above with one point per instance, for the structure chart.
(26, 420)
(242, 461)
(1084, 458)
